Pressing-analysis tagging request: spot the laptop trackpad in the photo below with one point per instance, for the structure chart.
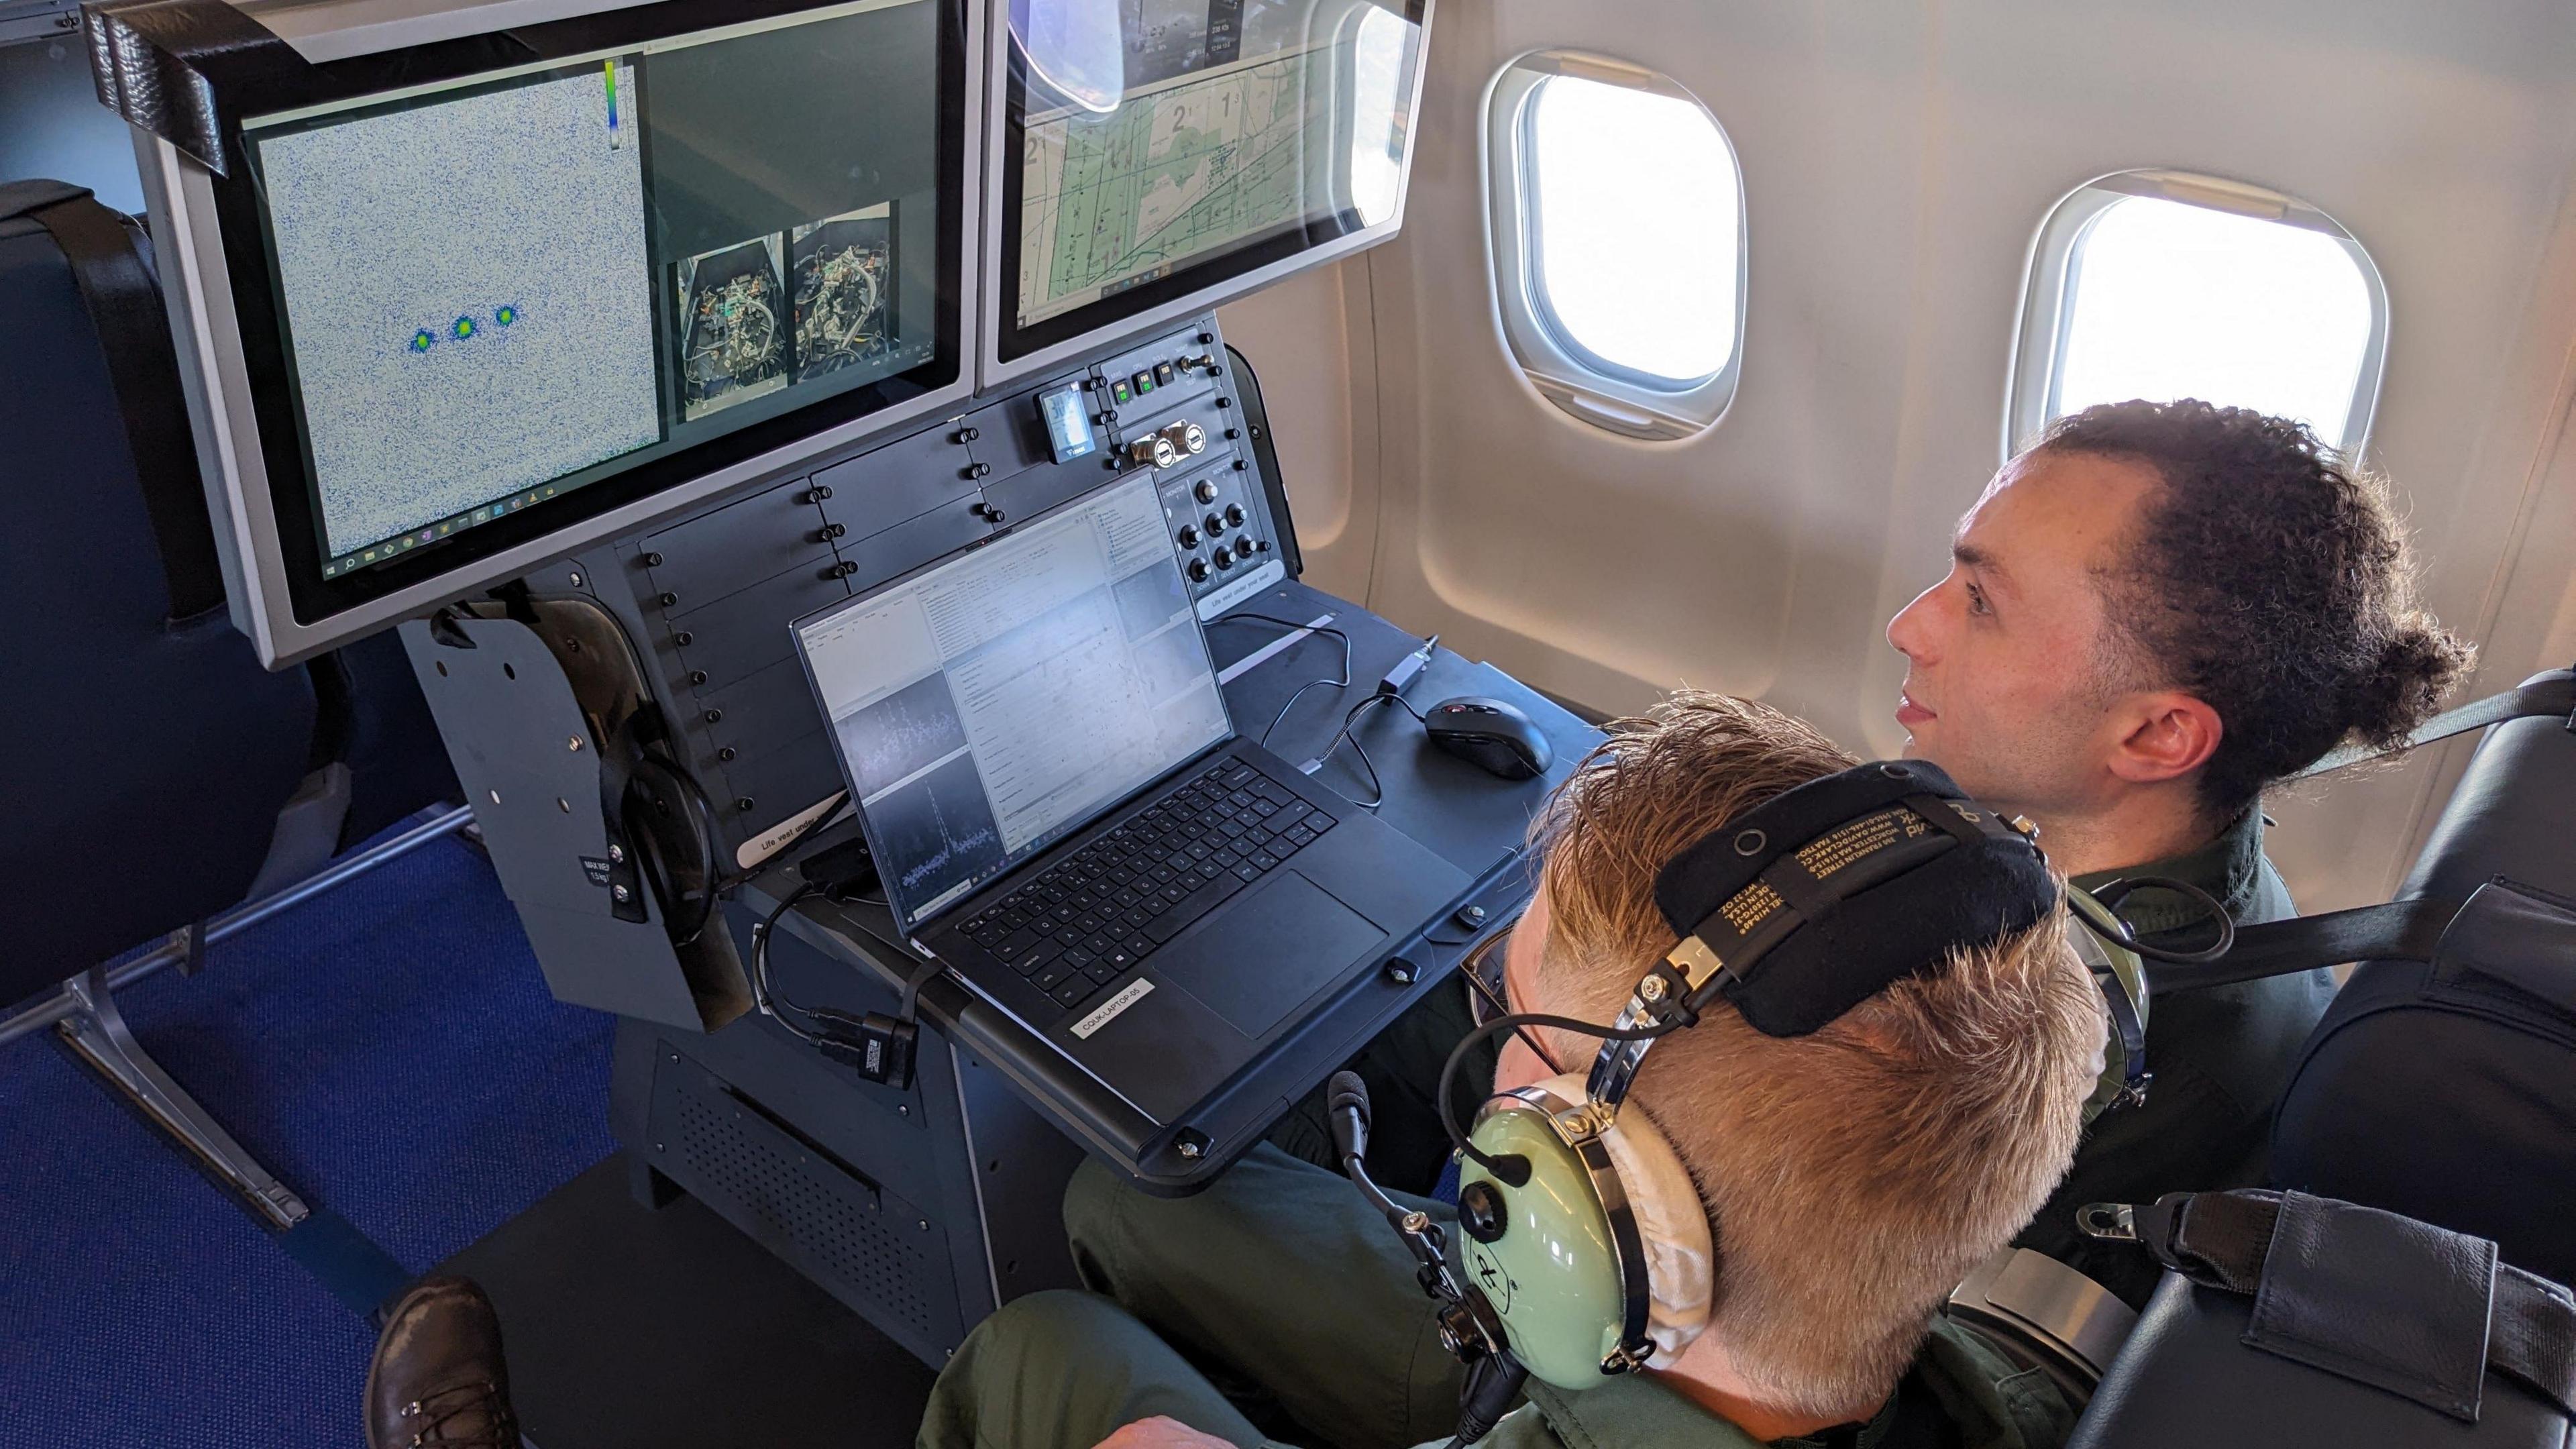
(1267, 952)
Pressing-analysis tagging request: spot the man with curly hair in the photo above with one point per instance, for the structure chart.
(2151, 615)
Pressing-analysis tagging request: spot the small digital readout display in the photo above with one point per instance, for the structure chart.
(1068, 424)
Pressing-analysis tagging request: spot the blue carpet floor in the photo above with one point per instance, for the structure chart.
(389, 1050)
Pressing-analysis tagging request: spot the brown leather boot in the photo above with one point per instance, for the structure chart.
(437, 1377)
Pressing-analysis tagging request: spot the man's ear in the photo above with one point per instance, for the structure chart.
(2171, 734)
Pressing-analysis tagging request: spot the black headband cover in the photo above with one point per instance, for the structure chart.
(1824, 895)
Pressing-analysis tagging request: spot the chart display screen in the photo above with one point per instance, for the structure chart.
(1216, 136)
(494, 292)
(988, 706)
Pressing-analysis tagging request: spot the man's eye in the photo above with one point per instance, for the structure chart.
(1977, 600)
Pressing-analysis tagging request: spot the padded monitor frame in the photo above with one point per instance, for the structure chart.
(1228, 274)
(273, 580)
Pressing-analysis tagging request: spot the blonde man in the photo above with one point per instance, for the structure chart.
(1852, 1177)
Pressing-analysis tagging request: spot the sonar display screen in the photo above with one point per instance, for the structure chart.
(484, 344)
(498, 290)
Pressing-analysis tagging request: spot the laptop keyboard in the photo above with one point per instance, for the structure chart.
(1085, 920)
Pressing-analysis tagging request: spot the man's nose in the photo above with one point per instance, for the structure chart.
(1911, 631)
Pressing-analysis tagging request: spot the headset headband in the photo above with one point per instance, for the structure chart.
(1765, 907)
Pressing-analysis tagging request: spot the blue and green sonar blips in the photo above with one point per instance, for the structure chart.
(466, 327)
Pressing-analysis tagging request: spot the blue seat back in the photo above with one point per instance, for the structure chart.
(145, 759)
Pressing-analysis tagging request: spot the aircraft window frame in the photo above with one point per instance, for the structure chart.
(1586, 385)
(2054, 268)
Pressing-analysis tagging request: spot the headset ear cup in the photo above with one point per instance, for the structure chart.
(1672, 1223)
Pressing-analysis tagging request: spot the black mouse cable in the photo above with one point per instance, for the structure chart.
(1346, 735)
(1344, 682)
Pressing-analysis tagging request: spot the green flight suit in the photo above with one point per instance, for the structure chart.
(1253, 1271)
(2220, 1057)
(1281, 1281)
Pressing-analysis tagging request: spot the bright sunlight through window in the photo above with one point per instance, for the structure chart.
(1634, 228)
(1380, 62)
(2167, 300)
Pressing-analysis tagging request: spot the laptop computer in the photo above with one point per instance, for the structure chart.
(1063, 815)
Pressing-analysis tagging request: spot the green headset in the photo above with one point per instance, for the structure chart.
(1588, 1250)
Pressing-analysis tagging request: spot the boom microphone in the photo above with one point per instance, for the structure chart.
(1347, 1100)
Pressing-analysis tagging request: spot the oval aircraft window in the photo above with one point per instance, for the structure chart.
(1619, 242)
(2161, 285)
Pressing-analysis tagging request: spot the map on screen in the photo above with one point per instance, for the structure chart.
(1185, 167)
(461, 286)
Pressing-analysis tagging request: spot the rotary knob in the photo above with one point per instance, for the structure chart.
(1224, 559)
(1198, 570)
(1189, 535)
(1234, 514)
(1242, 546)
(1205, 490)
(1215, 525)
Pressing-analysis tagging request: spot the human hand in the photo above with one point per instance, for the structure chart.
(1159, 1432)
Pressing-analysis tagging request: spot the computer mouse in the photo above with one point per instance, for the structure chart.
(1490, 734)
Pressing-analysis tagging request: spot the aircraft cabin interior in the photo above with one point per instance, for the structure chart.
(1033, 724)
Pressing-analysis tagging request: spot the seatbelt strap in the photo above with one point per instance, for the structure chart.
(2548, 696)
(2406, 930)
(124, 304)
(2223, 1240)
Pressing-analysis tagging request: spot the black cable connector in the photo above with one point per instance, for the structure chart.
(876, 1046)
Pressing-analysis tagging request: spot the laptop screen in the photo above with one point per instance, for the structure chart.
(988, 706)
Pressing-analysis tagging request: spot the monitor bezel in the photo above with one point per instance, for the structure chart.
(1008, 353)
(216, 282)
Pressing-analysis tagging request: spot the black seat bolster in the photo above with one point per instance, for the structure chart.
(2294, 1319)
(2446, 1091)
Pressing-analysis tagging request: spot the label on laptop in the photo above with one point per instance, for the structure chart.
(1107, 1012)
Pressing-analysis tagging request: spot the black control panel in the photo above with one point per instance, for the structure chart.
(1172, 406)
(710, 596)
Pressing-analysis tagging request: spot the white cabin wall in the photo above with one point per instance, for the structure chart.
(1898, 159)
(1297, 335)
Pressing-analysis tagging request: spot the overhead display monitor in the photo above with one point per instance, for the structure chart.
(482, 313)
(1154, 157)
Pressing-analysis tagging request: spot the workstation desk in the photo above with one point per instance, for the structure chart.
(925, 1208)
